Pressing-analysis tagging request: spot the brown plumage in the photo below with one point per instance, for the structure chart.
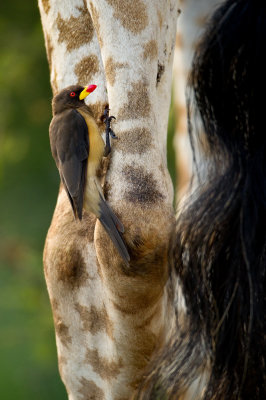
(77, 148)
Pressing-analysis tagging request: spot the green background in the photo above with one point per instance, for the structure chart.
(28, 192)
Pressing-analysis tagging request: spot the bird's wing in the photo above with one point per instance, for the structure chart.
(70, 148)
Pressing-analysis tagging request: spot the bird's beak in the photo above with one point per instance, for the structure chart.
(87, 90)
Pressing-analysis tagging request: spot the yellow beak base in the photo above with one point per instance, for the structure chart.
(83, 94)
(86, 91)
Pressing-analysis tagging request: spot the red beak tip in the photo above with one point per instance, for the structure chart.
(91, 88)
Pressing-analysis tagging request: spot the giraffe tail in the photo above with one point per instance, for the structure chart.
(114, 228)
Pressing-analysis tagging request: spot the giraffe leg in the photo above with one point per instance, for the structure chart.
(109, 320)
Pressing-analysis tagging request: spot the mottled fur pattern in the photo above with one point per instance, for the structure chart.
(220, 247)
(108, 318)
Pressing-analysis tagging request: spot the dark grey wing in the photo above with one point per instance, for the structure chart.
(70, 149)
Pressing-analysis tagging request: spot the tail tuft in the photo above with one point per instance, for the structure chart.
(220, 248)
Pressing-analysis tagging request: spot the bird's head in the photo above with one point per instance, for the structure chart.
(71, 97)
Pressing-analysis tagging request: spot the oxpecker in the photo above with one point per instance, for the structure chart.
(77, 148)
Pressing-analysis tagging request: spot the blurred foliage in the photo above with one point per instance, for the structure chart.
(28, 190)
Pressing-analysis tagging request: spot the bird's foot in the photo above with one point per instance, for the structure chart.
(108, 131)
(112, 134)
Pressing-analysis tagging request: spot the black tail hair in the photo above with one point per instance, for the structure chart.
(220, 249)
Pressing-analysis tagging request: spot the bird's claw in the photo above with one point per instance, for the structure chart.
(105, 113)
(105, 116)
(108, 131)
(112, 134)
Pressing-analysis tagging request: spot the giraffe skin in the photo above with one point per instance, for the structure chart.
(110, 320)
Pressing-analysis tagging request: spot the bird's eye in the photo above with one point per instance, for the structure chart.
(72, 94)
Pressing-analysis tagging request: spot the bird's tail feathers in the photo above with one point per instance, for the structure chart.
(114, 228)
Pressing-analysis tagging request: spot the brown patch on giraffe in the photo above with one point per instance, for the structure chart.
(90, 391)
(62, 330)
(150, 50)
(135, 141)
(150, 283)
(75, 31)
(160, 19)
(138, 103)
(95, 320)
(95, 17)
(71, 267)
(146, 321)
(135, 303)
(46, 6)
(152, 251)
(102, 366)
(131, 14)
(142, 187)
(86, 69)
(111, 68)
(65, 244)
(179, 41)
(148, 342)
(129, 310)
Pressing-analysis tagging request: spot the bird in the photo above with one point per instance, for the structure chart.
(77, 148)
